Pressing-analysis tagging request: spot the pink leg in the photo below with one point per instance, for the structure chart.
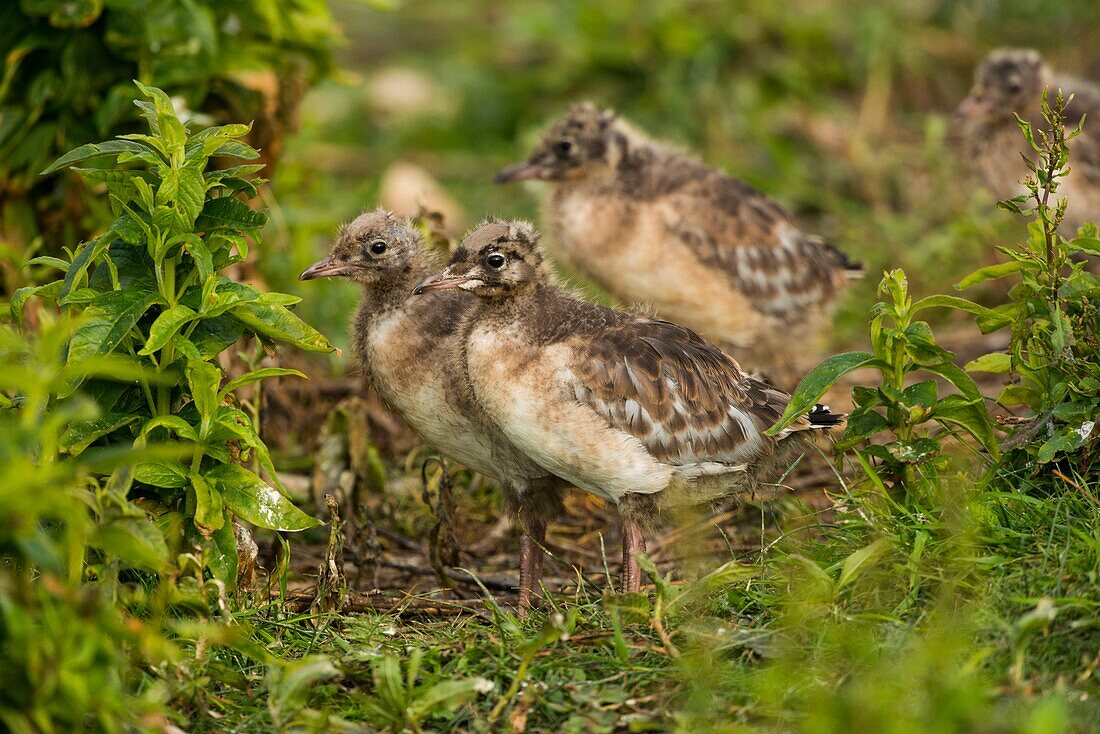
(633, 542)
(530, 562)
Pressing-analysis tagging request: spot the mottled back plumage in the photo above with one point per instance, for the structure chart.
(536, 354)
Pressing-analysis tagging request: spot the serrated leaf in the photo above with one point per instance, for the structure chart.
(1091, 245)
(226, 212)
(255, 501)
(182, 428)
(817, 382)
(79, 436)
(108, 320)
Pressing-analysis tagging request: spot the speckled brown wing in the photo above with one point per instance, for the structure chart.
(742, 233)
(685, 400)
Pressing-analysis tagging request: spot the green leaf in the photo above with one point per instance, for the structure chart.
(972, 417)
(203, 378)
(1091, 245)
(991, 272)
(1066, 441)
(255, 376)
(862, 559)
(955, 375)
(166, 326)
(88, 253)
(293, 680)
(221, 557)
(944, 301)
(80, 436)
(728, 573)
(994, 362)
(917, 451)
(53, 262)
(817, 382)
(922, 393)
(182, 428)
(209, 507)
(134, 541)
(109, 319)
(233, 423)
(279, 324)
(1020, 395)
(236, 149)
(171, 129)
(227, 212)
(170, 475)
(862, 424)
(255, 501)
(96, 150)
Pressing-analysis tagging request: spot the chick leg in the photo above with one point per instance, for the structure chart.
(633, 542)
(530, 561)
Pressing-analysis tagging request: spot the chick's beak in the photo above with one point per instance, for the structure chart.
(323, 268)
(442, 282)
(972, 107)
(519, 172)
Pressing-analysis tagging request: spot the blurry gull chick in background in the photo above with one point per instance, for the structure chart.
(651, 225)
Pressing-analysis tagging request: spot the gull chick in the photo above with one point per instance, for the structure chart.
(639, 411)
(651, 225)
(411, 351)
(1010, 82)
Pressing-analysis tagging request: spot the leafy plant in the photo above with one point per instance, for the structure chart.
(902, 346)
(1054, 311)
(151, 288)
(69, 654)
(66, 82)
(402, 702)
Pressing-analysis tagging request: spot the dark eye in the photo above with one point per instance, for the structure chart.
(1014, 88)
(495, 261)
(562, 147)
(377, 247)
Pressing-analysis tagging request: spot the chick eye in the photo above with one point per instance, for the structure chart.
(563, 147)
(377, 247)
(495, 261)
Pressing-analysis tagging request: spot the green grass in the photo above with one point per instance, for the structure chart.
(854, 624)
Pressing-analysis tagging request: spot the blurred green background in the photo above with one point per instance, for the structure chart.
(841, 109)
